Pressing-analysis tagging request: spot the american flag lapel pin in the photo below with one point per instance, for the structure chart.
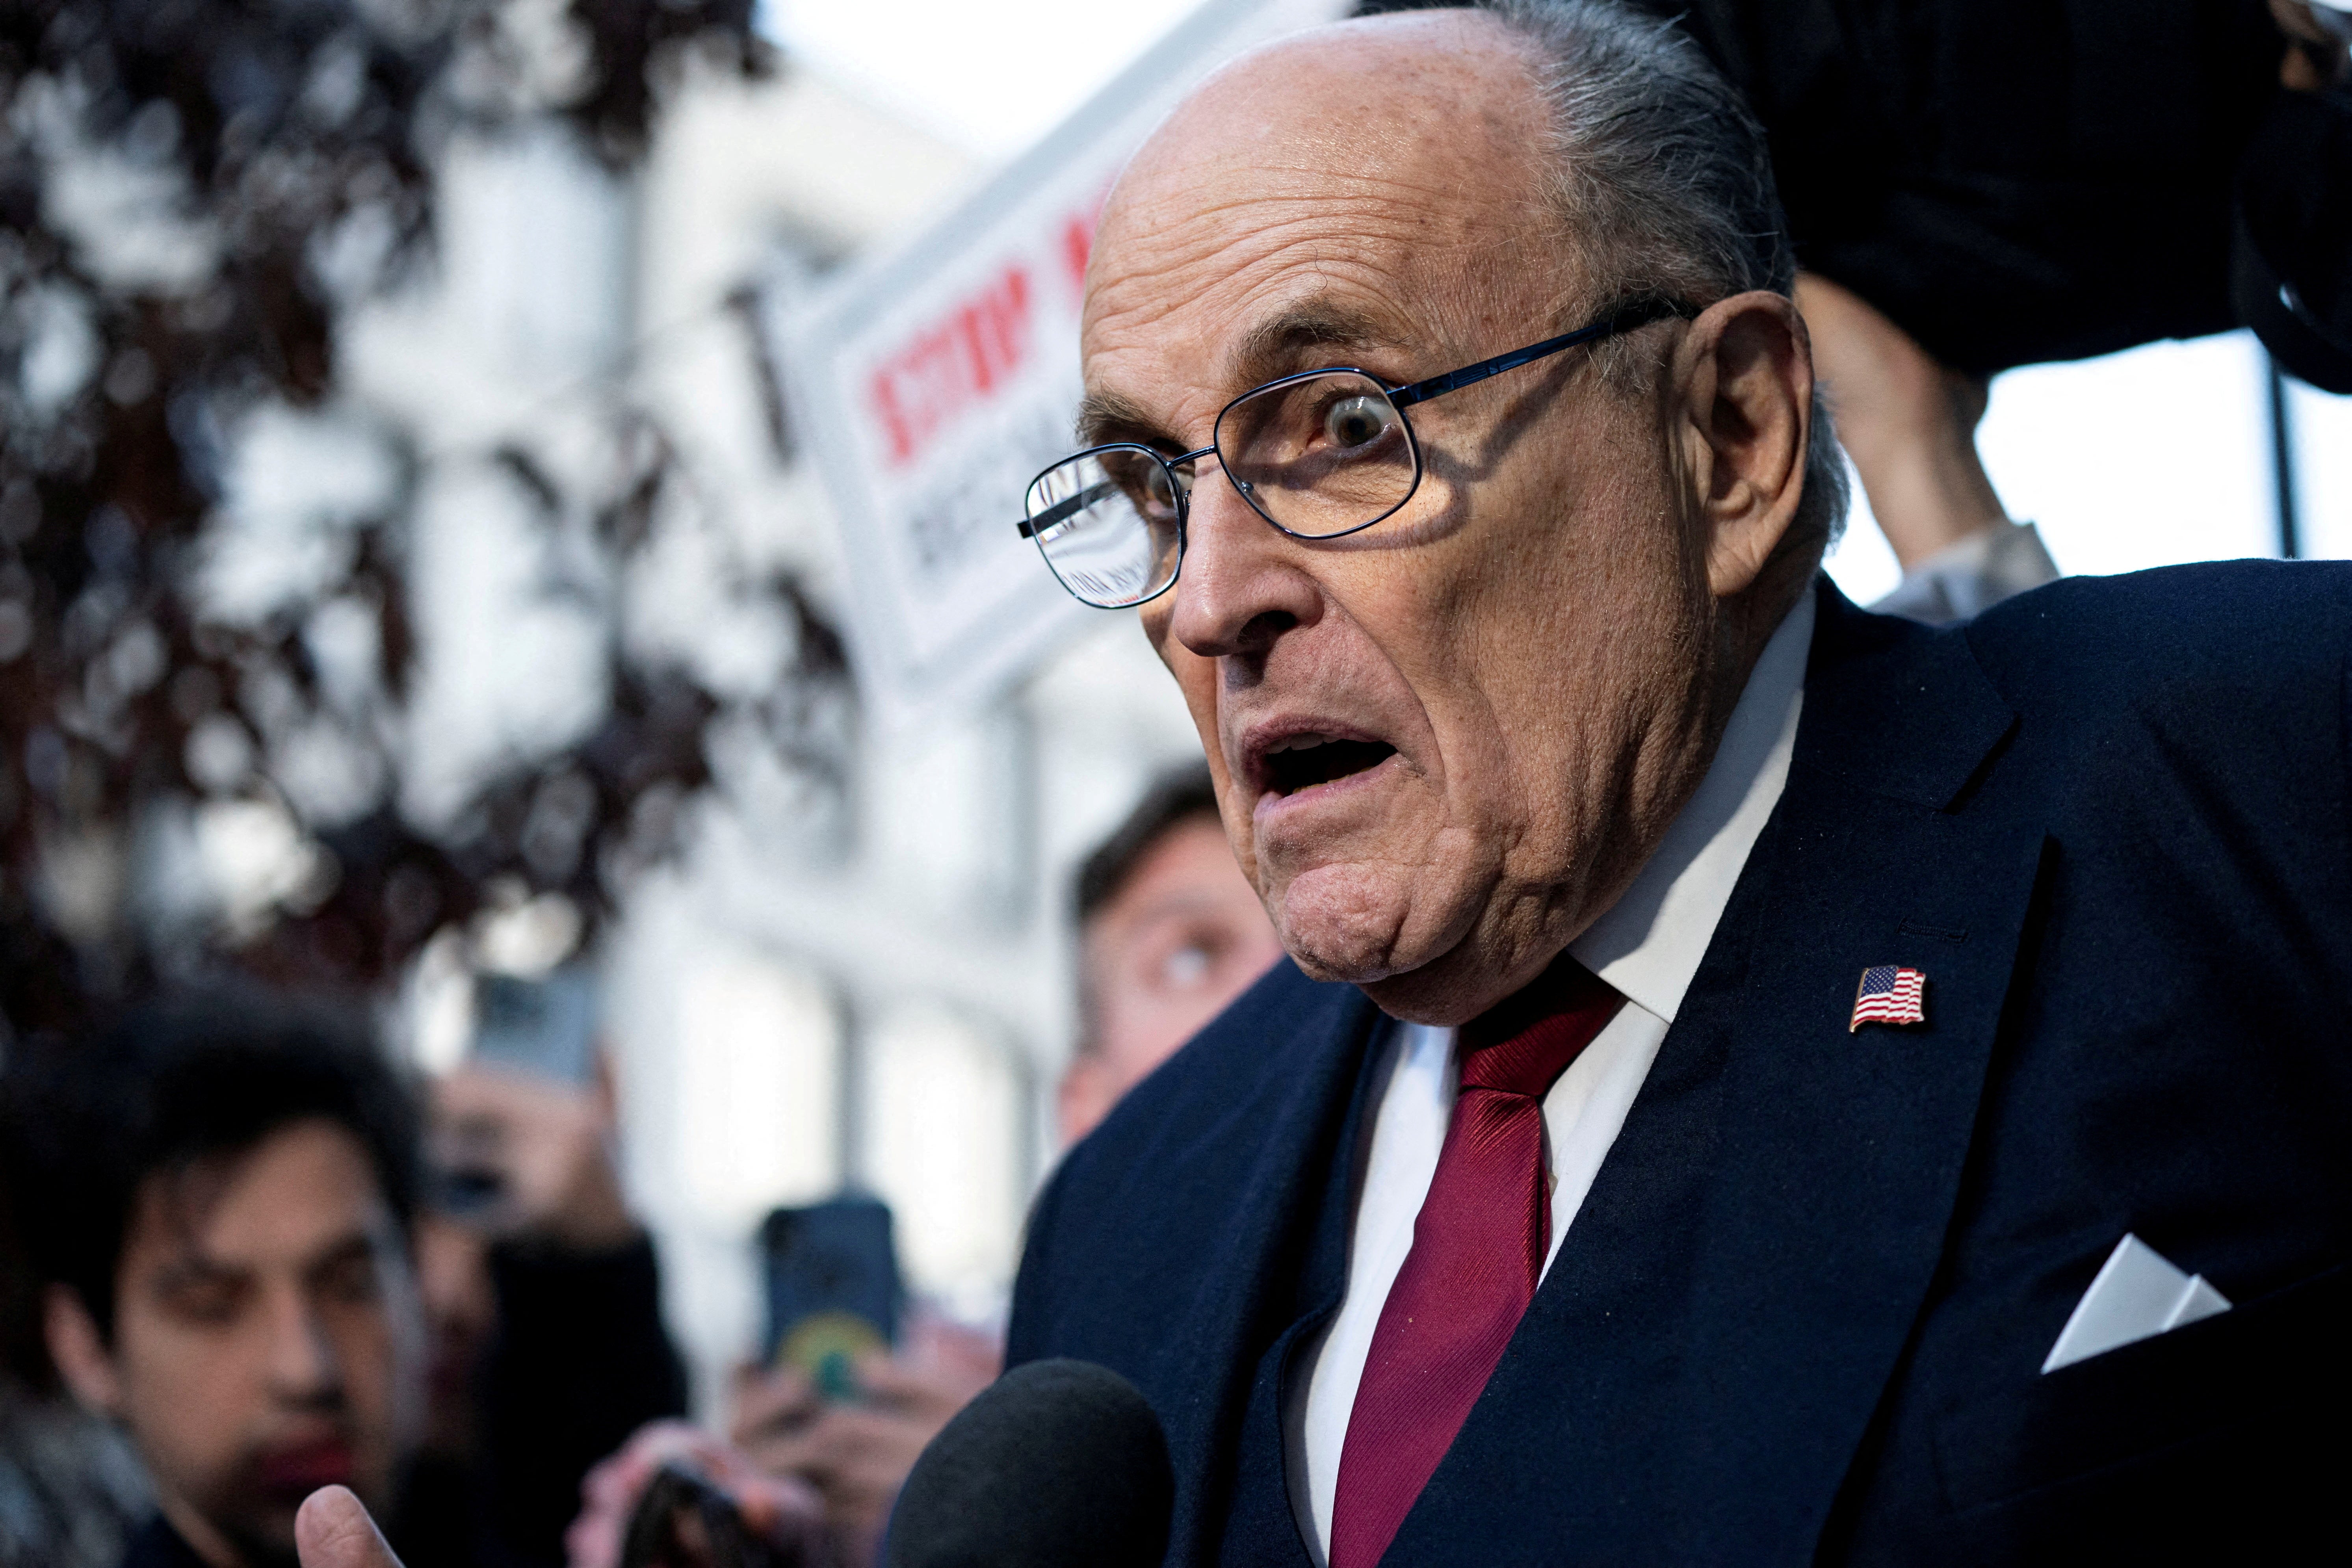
(1889, 994)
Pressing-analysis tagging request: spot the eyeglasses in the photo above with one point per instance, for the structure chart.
(1318, 455)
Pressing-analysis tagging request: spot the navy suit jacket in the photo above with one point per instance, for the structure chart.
(1802, 1312)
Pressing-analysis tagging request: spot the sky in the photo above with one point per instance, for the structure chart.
(2143, 459)
(991, 78)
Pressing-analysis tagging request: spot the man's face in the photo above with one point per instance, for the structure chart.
(1182, 937)
(1517, 662)
(266, 1339)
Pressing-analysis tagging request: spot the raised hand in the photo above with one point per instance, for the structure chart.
(332, 1529)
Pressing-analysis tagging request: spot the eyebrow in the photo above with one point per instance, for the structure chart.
(357, 1245)
(1275, 348)
(194, 1267)
(1106, 416)
(193, 1270)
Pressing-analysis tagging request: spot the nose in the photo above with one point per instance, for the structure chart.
(303, 1366)
(1243, 583)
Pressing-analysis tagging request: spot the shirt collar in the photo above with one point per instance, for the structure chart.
(1649, 942)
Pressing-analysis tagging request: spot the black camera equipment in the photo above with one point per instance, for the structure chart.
(1058, 1462)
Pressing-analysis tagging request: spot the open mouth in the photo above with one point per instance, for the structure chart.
(1301, 761)
(297, 1471)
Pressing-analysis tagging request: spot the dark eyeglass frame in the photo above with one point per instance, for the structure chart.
(1628, 317)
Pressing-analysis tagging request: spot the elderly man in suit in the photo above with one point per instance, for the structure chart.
(1756, 1081)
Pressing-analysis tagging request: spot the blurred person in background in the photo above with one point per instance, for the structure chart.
(1908, 418)
(1169, 933)
(227, 1194)
(542, 1296)
(1909, 423)
(71, 1490)
(1959, 220)
(228, 1241)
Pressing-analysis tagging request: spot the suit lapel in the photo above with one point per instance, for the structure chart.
(1238, 1177)
(1274, 1276)
(1696, 1373)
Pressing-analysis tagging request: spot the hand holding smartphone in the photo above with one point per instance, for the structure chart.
(521, 1130)
(687, 1520)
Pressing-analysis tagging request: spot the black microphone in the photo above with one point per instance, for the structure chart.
(1057, 1462)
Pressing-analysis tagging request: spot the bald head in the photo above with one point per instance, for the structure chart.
(1359, 164)
(1444, 744)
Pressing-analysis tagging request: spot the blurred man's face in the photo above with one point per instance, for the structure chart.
(267, 1341)
(1181, 937)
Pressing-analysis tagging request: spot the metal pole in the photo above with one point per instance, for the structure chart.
(2282, 464)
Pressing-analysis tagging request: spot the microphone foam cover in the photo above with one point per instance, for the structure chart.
(1057, 1462)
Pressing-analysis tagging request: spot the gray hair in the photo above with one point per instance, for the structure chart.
(1663, 182)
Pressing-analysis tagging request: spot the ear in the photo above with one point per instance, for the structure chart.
(1744, 374)
(80, 1351)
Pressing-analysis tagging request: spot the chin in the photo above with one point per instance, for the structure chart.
(1353, 922)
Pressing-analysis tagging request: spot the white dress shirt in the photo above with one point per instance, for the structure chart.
(1648, 945)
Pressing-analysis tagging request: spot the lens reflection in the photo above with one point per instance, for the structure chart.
(1107, 523)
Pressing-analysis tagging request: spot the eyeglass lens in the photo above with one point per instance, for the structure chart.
(1317, 456)
(1107, 523)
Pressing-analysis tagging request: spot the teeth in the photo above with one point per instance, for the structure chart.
(1298, 743)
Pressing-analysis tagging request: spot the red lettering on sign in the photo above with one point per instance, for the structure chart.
(954, 362)
(1079, 240)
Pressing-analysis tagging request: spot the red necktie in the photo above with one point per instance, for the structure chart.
(1477, 1249)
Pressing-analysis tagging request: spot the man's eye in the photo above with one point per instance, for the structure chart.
(1359, 421)
(1187, 965)
(210, 1302)
(354, 1283)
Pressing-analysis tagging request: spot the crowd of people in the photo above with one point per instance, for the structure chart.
(250, 1258)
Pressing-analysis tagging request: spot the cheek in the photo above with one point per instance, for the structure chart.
(379, 1346)
(1557, 640)
(364, 1345)
(189, 1397)
(384, 1387)
(1195, 676)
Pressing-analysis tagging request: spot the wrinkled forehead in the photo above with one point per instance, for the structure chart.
(1365, 183)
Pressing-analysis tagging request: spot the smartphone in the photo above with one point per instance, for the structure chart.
(546, 1028)
(833, 1290)
(684, 1520)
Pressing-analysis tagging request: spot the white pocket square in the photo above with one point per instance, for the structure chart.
(2137, 1294)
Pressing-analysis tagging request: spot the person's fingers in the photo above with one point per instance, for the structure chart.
(332, 1529)
(782, 1456)
(769, 1400)
(976, 1355)
(852, 1451)
(782, 1510)
(605, 1090)
(885, 1377)
(928, 1391)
